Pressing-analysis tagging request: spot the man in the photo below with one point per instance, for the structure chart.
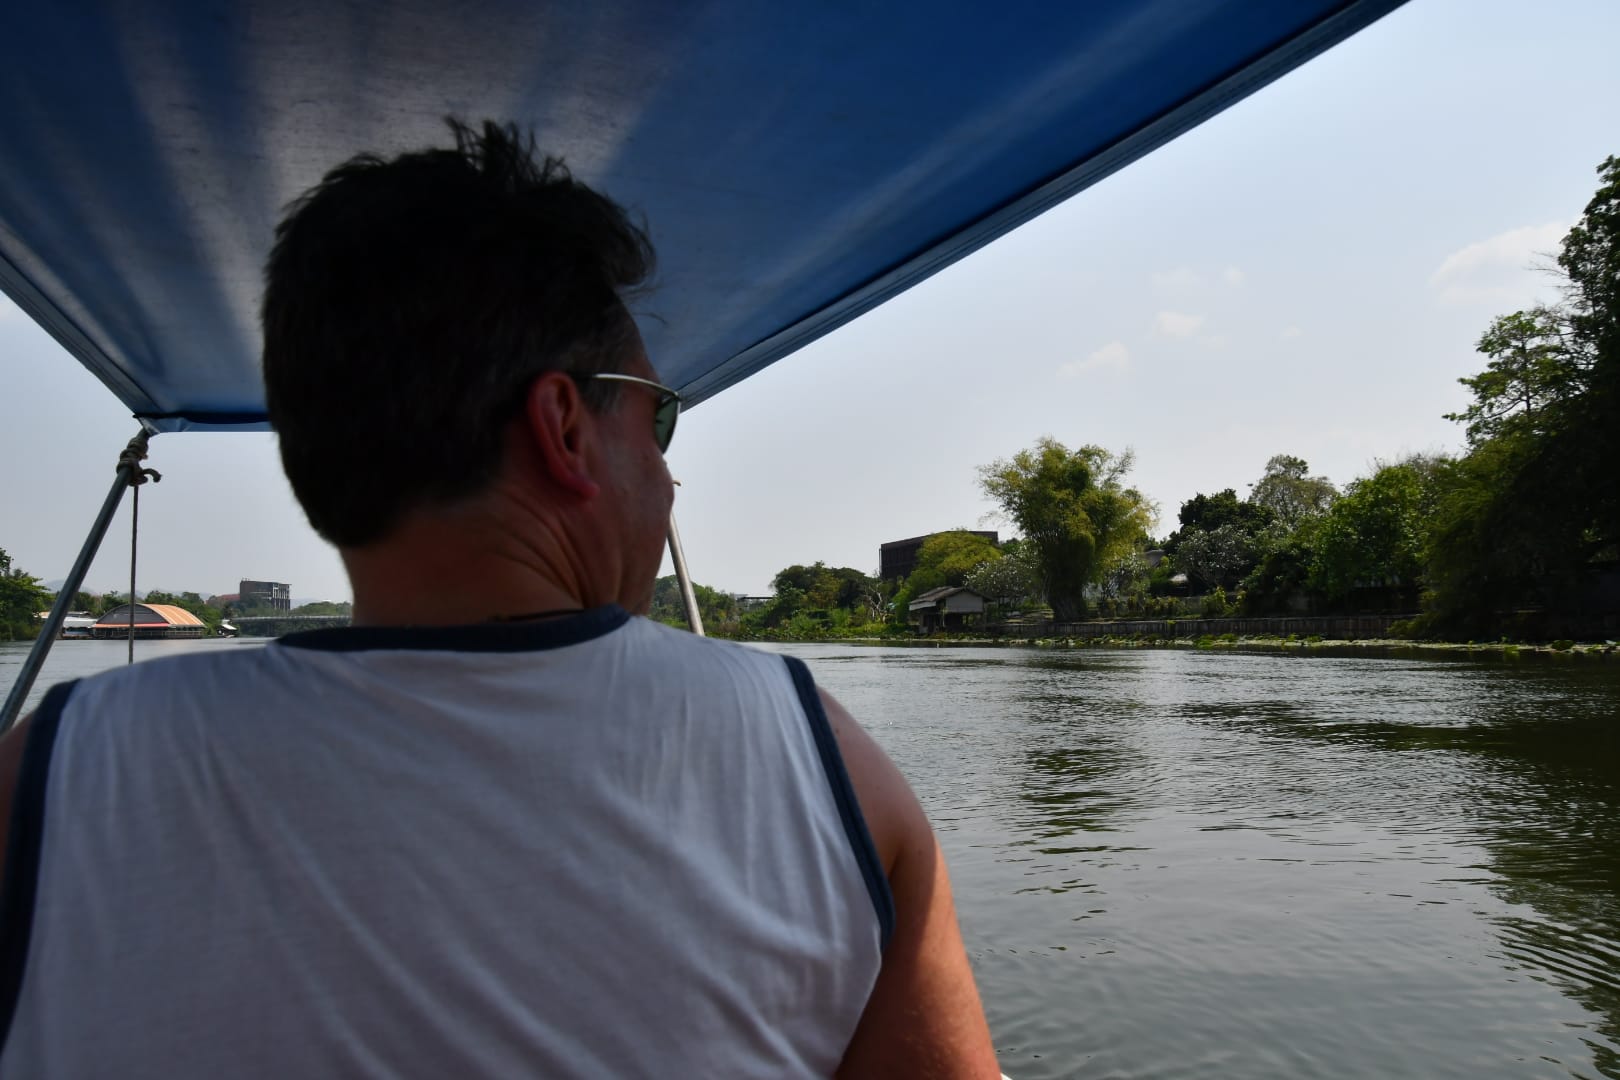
(499, 826)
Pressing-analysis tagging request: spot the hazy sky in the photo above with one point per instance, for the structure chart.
(1307, 273)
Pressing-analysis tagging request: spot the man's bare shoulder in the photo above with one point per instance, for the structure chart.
(893, 816)
(924, 1016)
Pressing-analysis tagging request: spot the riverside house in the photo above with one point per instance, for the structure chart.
(949, 608)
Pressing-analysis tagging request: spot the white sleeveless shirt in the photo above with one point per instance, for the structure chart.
(592, 847)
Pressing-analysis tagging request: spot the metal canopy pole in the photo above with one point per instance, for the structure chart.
(129, 467)
(688, 595)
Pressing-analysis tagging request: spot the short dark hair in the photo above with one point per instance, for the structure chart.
(410, 302)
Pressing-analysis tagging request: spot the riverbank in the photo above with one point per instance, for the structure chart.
(1234, 643)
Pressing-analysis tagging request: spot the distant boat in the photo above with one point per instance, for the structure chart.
(78, 624)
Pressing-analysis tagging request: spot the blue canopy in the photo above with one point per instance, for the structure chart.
(798, 163)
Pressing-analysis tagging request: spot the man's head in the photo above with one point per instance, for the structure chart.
(411, 304)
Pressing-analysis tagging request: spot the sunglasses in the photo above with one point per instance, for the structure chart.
(664, 413)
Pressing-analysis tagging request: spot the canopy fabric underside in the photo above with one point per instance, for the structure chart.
(797, 163)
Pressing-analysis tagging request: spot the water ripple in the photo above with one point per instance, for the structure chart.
(1177, 864)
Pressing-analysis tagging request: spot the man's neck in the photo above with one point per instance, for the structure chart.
(430, 572)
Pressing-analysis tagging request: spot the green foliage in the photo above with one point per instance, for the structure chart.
(718, 610)
(1533, 511)
(322, 607)
(1531, 372)
(1224, 508)
(1483, 553)
(1218, 557)
(1216, 605)
(1074, 511)
(1125, 580)
(946, 559)
(1283, 574)
(1012, 581)
(811, 602)
(1144, 607)
(1375, 535)
(1160, 579)
(823, 588)
(1221, 539)
(22, 598)
(1288, 494)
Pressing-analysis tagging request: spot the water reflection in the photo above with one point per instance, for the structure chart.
(1073, 723)
(1524, 763)
(1178, 864)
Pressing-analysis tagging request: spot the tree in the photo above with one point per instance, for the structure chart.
(1532, 371)
(1375, 535)
(819, 595)
(1289, 494)
(948, 558)
(1282, 577)
(1219, 557)
(1219, 540)
(1589, 443)
(1210, 512)
(1126, 580)
(718, 610)
(843, 588)
(1534, 509)
(796, 577)
(1010, 581)
(22, 598)
(829, 588)
(1073, 510)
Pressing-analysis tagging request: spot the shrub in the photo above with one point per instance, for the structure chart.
(1215, 604)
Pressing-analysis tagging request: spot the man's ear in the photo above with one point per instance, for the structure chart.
(559, 425)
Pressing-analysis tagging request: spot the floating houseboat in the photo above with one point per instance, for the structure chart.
(151, 621)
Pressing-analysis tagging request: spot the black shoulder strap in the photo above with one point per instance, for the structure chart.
(22, 850)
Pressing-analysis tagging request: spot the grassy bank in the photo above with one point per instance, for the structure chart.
(1259, 643)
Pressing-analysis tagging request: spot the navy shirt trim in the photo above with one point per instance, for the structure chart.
(495, 637)
(21, 884)
(849, 807)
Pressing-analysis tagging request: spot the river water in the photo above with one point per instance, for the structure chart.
(1196, 863)
(1191, 863)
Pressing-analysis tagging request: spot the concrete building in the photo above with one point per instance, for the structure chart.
(270, 594)
(151, 621)
(898, 558)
